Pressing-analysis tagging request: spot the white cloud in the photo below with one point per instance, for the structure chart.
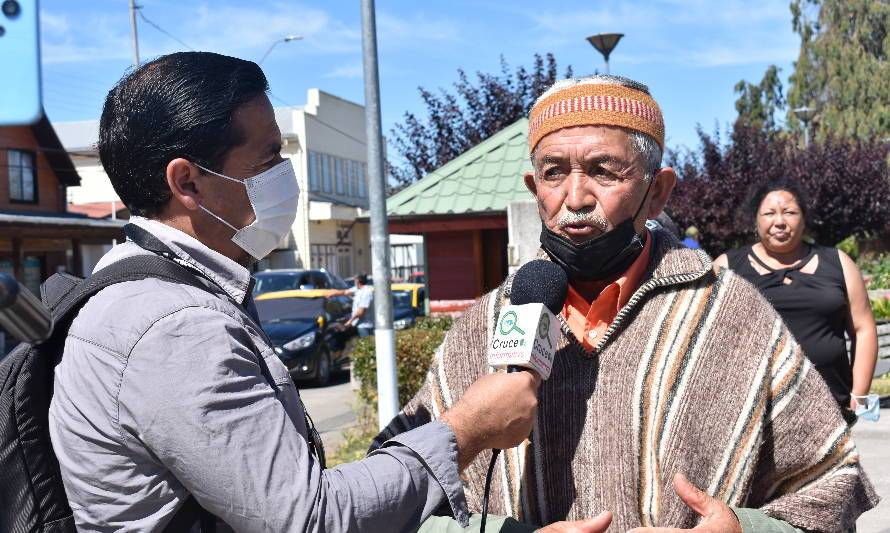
(95, 37)
(350, 71)
(398, 31)
(241, 31)
(685, 32)
(252, 28)
(722, 55)
(236, 29)
(54, 23)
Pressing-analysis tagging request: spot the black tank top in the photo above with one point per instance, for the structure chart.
(814, 306)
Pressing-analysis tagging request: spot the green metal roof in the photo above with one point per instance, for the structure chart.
(484, 179)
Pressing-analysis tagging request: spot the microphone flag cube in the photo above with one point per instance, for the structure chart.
(525, 336)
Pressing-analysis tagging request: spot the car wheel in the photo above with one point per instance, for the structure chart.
(323, 367)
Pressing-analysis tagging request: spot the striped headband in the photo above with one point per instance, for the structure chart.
(590, 104)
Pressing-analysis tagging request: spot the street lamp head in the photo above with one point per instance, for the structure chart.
(287, 39)
(605, 42)
(804, 114)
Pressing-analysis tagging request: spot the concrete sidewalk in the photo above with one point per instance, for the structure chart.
(873, 440)
(331, 409)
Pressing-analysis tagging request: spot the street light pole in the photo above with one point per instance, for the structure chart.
(384, 336)
(133, 8)
(605, 43)
(805, 114)
(287, 39)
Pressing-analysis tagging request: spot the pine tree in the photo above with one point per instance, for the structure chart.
(843, 69)
(758, 105)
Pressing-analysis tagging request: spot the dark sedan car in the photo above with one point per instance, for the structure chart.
(306, 333)
(295, 279)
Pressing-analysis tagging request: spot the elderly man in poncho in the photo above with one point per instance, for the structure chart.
(678, 398)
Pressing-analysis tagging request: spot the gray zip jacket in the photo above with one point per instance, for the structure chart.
(160, 394)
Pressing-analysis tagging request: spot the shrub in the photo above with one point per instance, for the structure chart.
(850, 246)
(415, 348)
(876, 269)
(846, 180)
(881, 308)
(354, 446)
(414, 353)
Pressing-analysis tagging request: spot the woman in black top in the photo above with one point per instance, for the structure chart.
(817, 290)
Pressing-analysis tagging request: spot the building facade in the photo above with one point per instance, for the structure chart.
(325, 139)
(38, 237)
(460, 209)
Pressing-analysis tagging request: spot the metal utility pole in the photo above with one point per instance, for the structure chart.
(605, 43)
(384, 336)
(133, 8)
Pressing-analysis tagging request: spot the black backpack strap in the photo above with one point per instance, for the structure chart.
(133, 268)
(149, 242)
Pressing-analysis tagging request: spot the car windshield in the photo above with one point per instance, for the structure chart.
(284, 309)
(279, 281)
(402, 298)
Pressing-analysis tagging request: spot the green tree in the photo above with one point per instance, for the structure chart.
(758, 104)
(457, 120)
(842, 69)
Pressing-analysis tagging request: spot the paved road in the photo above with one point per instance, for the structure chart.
(330, 408)
(873, 440)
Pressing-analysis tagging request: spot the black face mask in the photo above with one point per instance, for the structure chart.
(597, 259)
(600, 258)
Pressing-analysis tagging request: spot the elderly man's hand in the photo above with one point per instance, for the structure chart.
(717, 517)
(592, 525)
(496, 411)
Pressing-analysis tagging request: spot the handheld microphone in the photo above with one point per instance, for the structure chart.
(527, 330)
(22, 314)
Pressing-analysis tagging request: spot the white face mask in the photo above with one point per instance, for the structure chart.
(273, 195)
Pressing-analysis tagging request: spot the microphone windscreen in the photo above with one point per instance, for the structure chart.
(540, 281)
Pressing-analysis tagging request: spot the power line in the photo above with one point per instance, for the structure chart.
(341, 132)
(162, 30)
(335, 128)
(168, 34)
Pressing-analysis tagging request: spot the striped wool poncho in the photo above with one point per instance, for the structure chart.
(697, 374)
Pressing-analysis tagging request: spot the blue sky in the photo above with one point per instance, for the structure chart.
(689, 52)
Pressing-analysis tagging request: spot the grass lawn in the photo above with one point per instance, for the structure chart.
(881, 385)
(354, 446)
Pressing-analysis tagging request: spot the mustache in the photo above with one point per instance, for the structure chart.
(583, 216)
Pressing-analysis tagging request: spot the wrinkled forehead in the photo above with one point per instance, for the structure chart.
(585, 143)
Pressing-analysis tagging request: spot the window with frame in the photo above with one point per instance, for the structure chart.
(323, 256)
(327, 173)
(363, 181)
(347, 178)
(22, 176)
(339, 177)
(314, 173)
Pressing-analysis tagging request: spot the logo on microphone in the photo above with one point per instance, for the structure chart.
(509, 324)
(544, 329)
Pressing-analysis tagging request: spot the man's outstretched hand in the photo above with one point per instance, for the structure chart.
(717, 517)
(592, 525)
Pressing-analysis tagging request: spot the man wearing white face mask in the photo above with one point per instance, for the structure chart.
(170, 407)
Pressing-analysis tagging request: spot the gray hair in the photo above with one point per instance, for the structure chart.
(641, 144)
